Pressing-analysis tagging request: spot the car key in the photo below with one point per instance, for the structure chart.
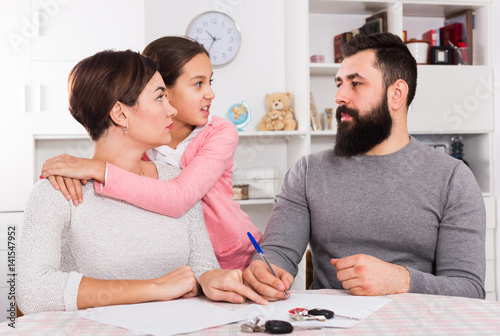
(320, 318)
(329, 314)
(278, 327)
(271, 326)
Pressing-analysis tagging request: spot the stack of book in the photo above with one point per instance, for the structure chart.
(457, 32)
(374, 24)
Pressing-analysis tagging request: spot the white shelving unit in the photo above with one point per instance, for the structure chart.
(450, 100)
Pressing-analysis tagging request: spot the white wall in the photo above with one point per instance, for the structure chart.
(259, 67)
(495, 42)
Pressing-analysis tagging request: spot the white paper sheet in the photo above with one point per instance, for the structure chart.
(193, 314)
(168, 318)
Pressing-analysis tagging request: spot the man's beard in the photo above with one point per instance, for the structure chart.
(362, 133)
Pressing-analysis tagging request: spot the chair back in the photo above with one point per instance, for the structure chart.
(309, 269)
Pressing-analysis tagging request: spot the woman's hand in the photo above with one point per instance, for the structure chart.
(181, 282)
(227, 285)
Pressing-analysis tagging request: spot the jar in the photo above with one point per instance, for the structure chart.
(328, 119)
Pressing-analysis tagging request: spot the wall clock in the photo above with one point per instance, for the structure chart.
(218, 33)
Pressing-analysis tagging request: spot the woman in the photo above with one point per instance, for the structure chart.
(203, 146)
(108, 252)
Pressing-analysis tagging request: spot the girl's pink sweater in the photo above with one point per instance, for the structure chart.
(207, 173)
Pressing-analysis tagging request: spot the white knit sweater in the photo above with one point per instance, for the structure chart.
(101, 238)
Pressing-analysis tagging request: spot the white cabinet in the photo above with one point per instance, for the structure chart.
(67, 32)
(16, 142)
(44, 41)
(17, 160)
(49, 99)
(452, 99)
(73, 30)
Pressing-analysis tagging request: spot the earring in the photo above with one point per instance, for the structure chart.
(125, 129)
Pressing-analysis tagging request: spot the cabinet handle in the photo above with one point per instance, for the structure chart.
(34, 97)
(43, 97)
(28, 98)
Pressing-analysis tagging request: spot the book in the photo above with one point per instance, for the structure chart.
(466, 18)
(315, 122)
(432, 36)
(382, 17)
(450, 36)
(372, 27)
(338, 40)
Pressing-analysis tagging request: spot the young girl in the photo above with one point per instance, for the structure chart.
(202, 145)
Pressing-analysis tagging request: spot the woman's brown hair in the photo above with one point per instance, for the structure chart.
(97, 82)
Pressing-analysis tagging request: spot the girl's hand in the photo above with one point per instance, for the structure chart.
(181, 282)
(70, 188)
(67, 173)
(74, 167)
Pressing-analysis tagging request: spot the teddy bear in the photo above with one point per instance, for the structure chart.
(279, 116)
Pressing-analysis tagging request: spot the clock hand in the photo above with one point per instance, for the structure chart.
(213, 38)
(211, 44)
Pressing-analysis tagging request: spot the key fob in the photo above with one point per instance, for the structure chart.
(325, 312)
(278, 327)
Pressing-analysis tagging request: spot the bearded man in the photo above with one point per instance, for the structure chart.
(382, 212)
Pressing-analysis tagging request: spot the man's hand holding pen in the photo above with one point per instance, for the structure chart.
(258, 277)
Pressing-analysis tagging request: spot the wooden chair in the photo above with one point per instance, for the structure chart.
(309, 269)
(18, 312)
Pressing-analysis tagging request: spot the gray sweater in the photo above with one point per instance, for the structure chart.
(102, 238)
(417, 207)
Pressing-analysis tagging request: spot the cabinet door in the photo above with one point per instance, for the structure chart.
(16, 152)
(50, 99)
(16, 149)
(452, 99)
(73, 30)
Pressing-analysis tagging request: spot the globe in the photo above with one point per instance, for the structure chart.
(239, 115)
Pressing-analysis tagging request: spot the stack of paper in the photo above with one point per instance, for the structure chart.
(193, 314)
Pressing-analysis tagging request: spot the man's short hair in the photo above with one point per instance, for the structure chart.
(392, 58)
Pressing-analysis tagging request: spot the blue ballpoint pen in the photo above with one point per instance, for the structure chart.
(263, 257)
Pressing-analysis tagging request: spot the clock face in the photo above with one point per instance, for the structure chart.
(218, 33)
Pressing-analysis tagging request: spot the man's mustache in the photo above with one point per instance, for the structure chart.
(344, 109)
